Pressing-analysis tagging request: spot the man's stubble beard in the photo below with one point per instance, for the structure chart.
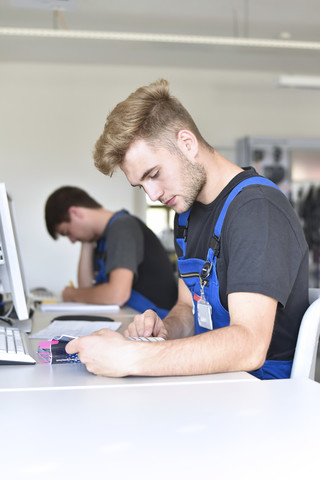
(194, 178)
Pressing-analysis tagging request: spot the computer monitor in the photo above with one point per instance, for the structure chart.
(16, 238)
(11, 276)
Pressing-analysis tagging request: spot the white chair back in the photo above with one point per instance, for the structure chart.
(305, 357)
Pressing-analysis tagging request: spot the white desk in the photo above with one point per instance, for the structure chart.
(215, 430)
(224, 426)
(41, 376)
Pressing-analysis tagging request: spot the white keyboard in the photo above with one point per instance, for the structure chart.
(14, 347)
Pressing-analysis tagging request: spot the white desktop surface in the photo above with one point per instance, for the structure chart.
(45, 376)
(215, 430)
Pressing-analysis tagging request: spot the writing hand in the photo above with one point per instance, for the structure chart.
(147, 324)
(68, 294)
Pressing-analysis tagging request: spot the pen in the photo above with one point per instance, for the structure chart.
(71, 284)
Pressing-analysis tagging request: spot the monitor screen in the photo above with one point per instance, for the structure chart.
(11, 277)
(17, 243)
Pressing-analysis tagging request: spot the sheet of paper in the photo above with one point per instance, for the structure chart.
(76, 307)
(73, 328)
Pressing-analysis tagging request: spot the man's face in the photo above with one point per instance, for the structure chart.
(77, 229)
(171, 178)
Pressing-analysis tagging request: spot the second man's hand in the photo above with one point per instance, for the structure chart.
(68, 294)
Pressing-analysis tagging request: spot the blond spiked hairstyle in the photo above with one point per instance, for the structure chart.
(150, 113)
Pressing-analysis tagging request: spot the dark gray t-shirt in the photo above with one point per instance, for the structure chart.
(262, 250)
(132, 245)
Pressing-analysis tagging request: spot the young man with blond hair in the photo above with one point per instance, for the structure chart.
(243, 258)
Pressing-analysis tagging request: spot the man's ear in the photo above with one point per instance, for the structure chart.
(188, 143)
(75, 211)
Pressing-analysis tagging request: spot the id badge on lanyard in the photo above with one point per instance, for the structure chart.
(204, 309)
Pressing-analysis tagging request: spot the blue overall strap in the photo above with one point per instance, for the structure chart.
(182, 230)
(237, 189)
(116, 215)
(99, 264)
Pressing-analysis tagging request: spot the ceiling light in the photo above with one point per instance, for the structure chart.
(298, 81)
(45, 4)
(160, 38)
(285, 35)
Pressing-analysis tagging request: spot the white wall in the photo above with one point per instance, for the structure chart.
(52, 114)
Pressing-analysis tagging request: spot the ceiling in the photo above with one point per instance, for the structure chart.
(272, 19)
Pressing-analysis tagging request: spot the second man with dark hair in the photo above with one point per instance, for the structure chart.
(121, 260)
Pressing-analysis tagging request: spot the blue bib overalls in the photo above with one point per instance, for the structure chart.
(137, 301)
(191, 270)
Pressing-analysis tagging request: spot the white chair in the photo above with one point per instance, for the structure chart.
(305, 357)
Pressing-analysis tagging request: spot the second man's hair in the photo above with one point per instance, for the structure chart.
(58, 204)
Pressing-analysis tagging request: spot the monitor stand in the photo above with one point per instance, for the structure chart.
(24, 325)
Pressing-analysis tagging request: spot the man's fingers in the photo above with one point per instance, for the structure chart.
(142, 325)
(72, 347)
(131, 331)
(150, 319)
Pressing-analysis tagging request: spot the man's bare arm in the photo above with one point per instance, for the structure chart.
(116, 292)
(85, 265)
(241, 346)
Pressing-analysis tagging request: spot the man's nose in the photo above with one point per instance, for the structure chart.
(153, 192)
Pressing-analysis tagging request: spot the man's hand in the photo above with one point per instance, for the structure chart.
(68, 294)
(116, 291)
(147, 324)
(104, 352)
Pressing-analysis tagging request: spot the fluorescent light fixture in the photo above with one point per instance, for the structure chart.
(45, 4)
(298, 81)
(160, 38)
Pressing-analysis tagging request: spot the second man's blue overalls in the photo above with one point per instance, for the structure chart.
(195, 271)
(137, 301)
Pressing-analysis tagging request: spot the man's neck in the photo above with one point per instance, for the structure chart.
(220, 172)
(101, 219)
